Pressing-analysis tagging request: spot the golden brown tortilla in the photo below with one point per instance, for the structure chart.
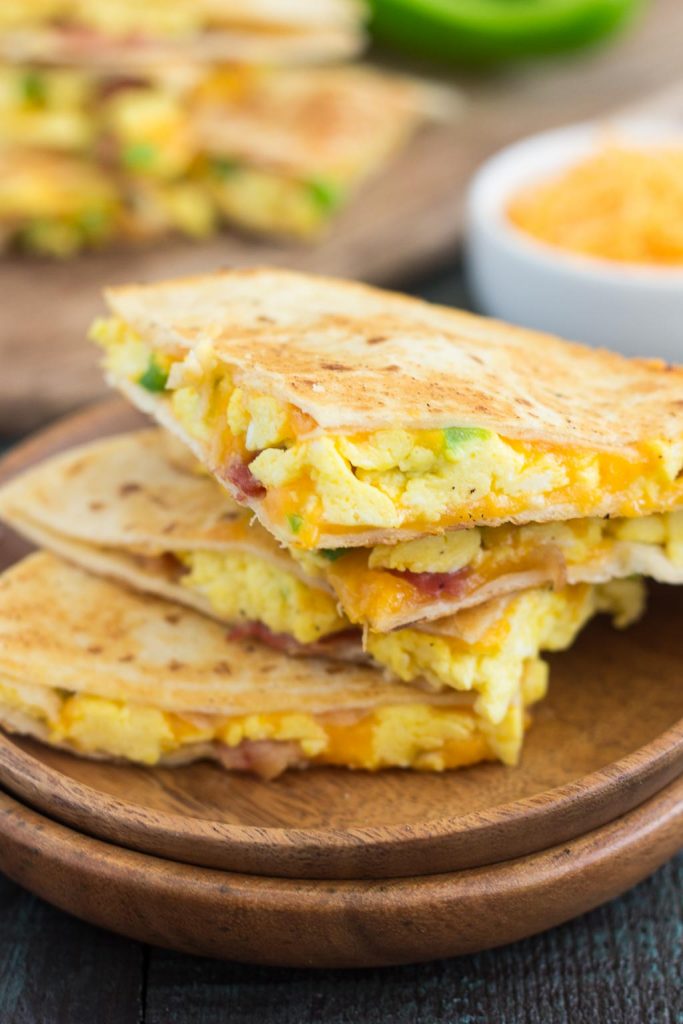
(357, 358)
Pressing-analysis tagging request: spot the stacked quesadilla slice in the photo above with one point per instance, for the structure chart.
(91, 667)
(161, 526)
(121, 121)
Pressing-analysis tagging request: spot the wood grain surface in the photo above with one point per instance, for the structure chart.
(608, 737)
(354, 923)
(404, 222)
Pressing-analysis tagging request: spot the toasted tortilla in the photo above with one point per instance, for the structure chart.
(357, 358)
(338, 123)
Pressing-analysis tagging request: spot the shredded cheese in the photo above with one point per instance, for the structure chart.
(622, 203)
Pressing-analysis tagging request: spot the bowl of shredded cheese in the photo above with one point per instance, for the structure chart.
(579, 232)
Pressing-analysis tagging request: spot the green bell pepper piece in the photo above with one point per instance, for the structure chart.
(490, 31)
(154, 378)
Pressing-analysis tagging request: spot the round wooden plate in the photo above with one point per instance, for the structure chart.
(355, 923)
(609, 736)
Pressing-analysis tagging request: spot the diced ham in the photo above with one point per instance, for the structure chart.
(265, 758)
(437, 584)
(244, 481)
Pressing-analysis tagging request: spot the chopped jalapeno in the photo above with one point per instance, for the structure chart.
(327, 194)
(455, 436)
(295, 522)
(332, 554)
(154, 378)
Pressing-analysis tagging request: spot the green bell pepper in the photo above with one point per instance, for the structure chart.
(489, 31)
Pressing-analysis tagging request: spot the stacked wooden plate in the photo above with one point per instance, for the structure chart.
(329, 868)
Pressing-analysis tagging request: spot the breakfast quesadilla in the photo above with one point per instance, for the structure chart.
(286, 151)
(183, 150)
(124, 35)
(91, 667)
(136, 508)
(55, 203)
(346, 416)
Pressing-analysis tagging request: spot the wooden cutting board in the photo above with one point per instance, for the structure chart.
(402, 224)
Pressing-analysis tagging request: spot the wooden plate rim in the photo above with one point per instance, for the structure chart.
(309, 923)
(449, 842)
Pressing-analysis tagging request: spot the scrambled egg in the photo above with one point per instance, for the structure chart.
(493, 666)
(271, 202)
(418, 736)
(58, 205)
(389, 479)
(242, 587)
(46, 108)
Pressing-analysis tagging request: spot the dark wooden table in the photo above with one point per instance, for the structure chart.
(621, 964)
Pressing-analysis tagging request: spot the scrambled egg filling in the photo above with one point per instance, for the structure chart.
(46, 108)
(371, 586)
(423, 480)
(240, 586)
(418, 736)
(264, 200)
(493, 666)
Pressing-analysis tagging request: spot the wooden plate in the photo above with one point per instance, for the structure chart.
(609, 736)
(334, 924)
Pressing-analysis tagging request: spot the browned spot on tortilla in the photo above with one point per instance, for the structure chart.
(174, 666)
(173, 618)
(94, 649)
(334, 366)
(96, 506)
(131, 488)
(223, 668)
(377, 341)
(125, 658)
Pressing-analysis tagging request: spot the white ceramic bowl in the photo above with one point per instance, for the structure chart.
(632, 308)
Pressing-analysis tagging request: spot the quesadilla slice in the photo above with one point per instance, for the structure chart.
(55, 203)
(285, 151)
(91, 667)
(348, 416)
(123, 35)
